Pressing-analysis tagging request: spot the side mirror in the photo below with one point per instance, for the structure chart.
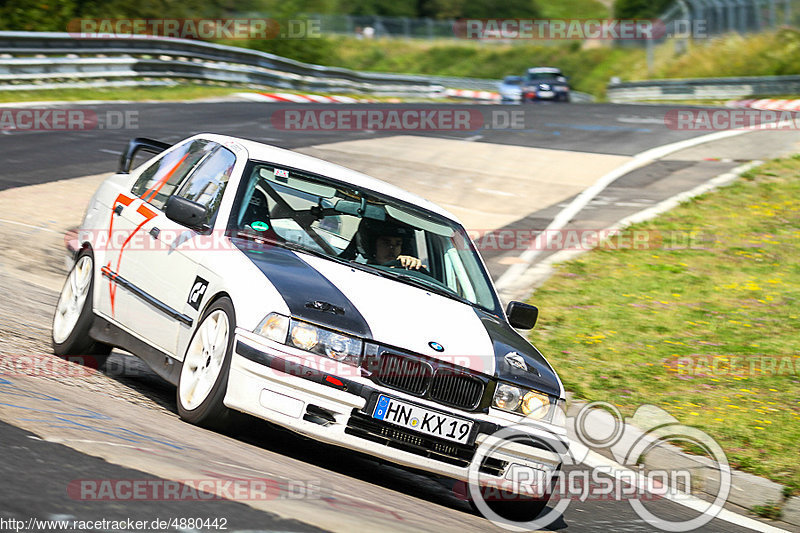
(522, 316)
(187, 213)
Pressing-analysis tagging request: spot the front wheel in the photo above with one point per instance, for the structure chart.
(74, 316)
(512, 506)
(206, 365)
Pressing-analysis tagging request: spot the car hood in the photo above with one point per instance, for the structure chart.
(402, 316)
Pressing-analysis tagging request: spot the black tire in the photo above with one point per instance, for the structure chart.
(211, 412)
(78, 346)
(519, 510)
(515, 508)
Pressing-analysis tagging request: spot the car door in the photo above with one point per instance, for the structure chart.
(162, 292)
(130, 211)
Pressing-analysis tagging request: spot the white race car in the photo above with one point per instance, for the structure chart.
(328, 302)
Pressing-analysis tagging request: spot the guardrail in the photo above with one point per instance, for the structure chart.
(41, 60)
(702, 88)
(46, 57)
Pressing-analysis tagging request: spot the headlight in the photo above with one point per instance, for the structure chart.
(304, 336)
(325, 342)
(535, 405)
(311, 338)
(532, 404)
(274, 327)
(507, 397)
(340, 347)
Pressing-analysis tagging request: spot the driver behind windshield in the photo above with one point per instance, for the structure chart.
(384, 243)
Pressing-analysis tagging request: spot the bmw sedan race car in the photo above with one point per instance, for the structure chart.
(317, 298)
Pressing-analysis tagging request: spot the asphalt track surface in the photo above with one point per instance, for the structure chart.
(36, 469)
(39, 157)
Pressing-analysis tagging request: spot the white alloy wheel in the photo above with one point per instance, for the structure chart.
(204, 359)
(72, 299)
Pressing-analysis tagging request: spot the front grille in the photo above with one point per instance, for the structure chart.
(452, 453)
(373, 430)
(430, 379)
(404, 373)
(456, 389)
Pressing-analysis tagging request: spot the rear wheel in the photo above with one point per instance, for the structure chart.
(206, 365)
(73, 316)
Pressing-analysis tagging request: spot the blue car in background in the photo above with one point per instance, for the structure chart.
(510, 89)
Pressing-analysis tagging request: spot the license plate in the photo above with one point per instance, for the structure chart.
(546, 94)
(423, 420)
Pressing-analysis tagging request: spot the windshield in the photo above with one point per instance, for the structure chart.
(372, 232)
(544, 76)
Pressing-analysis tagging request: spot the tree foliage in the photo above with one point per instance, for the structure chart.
(54, 15)
(640, 9)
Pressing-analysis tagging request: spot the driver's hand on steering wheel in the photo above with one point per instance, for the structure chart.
(409, 262)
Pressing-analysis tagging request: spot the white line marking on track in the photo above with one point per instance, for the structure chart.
(4, 221)
(508, 282)
(594, 460)
(536, 274)
(61, 440)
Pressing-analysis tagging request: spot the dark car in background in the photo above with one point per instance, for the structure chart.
(545, 83)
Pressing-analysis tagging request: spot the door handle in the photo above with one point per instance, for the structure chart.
(154, 233)
(118, 209)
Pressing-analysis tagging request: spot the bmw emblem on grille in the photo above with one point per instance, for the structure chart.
(436, 346)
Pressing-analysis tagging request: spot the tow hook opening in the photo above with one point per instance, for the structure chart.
(318, 415)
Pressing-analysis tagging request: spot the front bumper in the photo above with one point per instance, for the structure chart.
(266, 381)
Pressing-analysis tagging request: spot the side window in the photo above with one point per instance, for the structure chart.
(159, 180)
(207, 183)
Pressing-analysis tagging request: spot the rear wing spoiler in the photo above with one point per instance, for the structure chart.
(139, 143)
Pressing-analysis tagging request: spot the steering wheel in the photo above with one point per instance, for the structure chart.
(396, 263)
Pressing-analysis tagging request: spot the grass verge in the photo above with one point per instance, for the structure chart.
(174, 93)
(704, 326)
